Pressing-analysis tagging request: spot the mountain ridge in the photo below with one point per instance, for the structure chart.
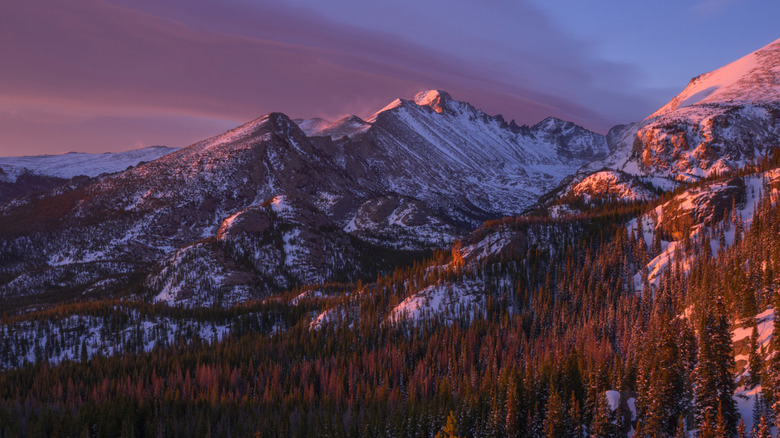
(411, 178)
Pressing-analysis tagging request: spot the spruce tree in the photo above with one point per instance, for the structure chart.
(721, 426)
(450, 429)
(763, 430)
(575, 426)
(758, 409)
(741, 430)
(639, 431)
(680, 430)
(773, 370)
(555, 419)
(512, 410)
(603, 420)
(754, 359)
(714, 385)
(707, 428)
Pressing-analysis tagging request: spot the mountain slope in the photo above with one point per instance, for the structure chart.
(457, 158)
(721, 121)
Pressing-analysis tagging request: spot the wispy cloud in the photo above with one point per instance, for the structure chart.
(80, 64)
(711, 7)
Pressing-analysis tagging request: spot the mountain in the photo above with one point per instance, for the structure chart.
(75, 163)
(203, 224)
(720, 122)
(456, 158)
(21, 176)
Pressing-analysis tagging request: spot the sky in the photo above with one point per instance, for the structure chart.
(112, 75)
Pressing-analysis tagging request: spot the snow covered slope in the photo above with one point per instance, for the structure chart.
(612, 184)
(711, 213)
(721, 121)
(457, 158)
(75, 163)
(752, 79)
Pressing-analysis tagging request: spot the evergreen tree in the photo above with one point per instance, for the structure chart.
(759, 409)
(754, 359)
(84, 354)
(741, 431)
(721, 426)
(773, 371)
(707, 427)
(555, 418)
(576, 421)
(639, 431)
(763, 430)
(680, 430)
(450, 429)
(512, 427)
(603, 420)
(714, 385)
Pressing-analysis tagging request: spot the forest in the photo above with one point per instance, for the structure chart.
(558, 343)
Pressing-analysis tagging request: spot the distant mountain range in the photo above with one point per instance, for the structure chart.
(78, 163)
(21, 176)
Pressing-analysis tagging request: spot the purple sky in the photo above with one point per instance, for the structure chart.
(95, 75)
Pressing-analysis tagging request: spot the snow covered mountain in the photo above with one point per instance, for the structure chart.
(433, 145)
(721, 121)
(265, 206)
(20, 176)
(75, 163)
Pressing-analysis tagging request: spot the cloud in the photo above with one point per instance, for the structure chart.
(77, 64)
(708, 8)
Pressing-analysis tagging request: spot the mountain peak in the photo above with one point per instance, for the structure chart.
(754, 78)
(275, 122)
(552, 123)
(438, 100)
(435, 99)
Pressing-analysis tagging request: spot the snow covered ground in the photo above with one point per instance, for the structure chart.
(56, 340)
(451, 300)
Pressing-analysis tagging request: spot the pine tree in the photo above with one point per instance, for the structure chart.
(707, 428)
(512, 410)
(754, 359)
(575, 418)
(680, 430)
(714, 386)
(760, 408)
(84, 355)
(664, 391)
(741, 430)
(763, 430)
(639, 431)
(555, 419)
(720, 425)
(773, 371)
(450, 429)
(603, 425)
